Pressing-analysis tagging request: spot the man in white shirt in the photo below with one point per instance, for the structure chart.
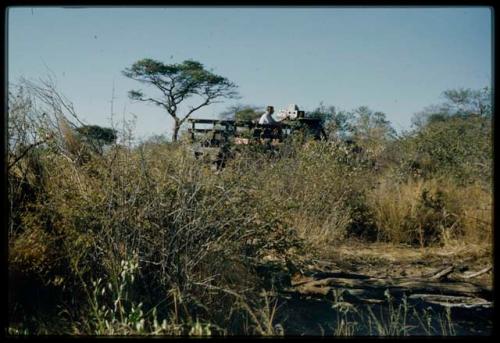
(267, 117)
(269, 132)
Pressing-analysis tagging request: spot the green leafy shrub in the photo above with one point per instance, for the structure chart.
(460, 146)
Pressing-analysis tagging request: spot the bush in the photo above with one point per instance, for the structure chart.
(191, 228)
(316, 188)
(460, 146)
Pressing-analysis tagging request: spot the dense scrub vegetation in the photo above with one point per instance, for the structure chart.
(147, 239)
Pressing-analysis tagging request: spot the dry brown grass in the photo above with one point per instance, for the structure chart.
(422, 211)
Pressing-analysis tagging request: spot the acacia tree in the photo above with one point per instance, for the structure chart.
(176, 83)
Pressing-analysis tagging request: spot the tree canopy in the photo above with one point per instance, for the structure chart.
(457, 103)
(370, 124)
(242, 112)
(97, 136)
(98, 133)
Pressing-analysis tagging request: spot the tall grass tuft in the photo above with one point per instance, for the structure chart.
(425, 212)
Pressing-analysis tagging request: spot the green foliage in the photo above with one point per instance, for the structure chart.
(467, 101)
(242, 112)
(458, 103)
(247, 114)
(460, 146)
(324, 113)
(368, 129)
(392, 320)
(97, 136)
(115, 309)
(371, 126)
(188, 78)
(102, 134)
(337, 124)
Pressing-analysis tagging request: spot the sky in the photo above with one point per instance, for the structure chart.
(397, 60)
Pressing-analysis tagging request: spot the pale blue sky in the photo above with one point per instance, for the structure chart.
(395, 60)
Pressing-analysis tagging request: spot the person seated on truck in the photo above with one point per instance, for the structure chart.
(267, 117)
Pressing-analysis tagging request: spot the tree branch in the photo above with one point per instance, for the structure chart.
(30, 147)
(205, 103)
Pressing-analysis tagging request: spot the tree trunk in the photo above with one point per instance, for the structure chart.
(175, 135)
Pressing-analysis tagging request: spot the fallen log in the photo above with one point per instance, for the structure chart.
(434, 289)
(479, 273)
(443, 274)
(334, 274)
(374, 288)
(450, 301)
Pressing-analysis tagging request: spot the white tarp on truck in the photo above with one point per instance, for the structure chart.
(291, 112)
